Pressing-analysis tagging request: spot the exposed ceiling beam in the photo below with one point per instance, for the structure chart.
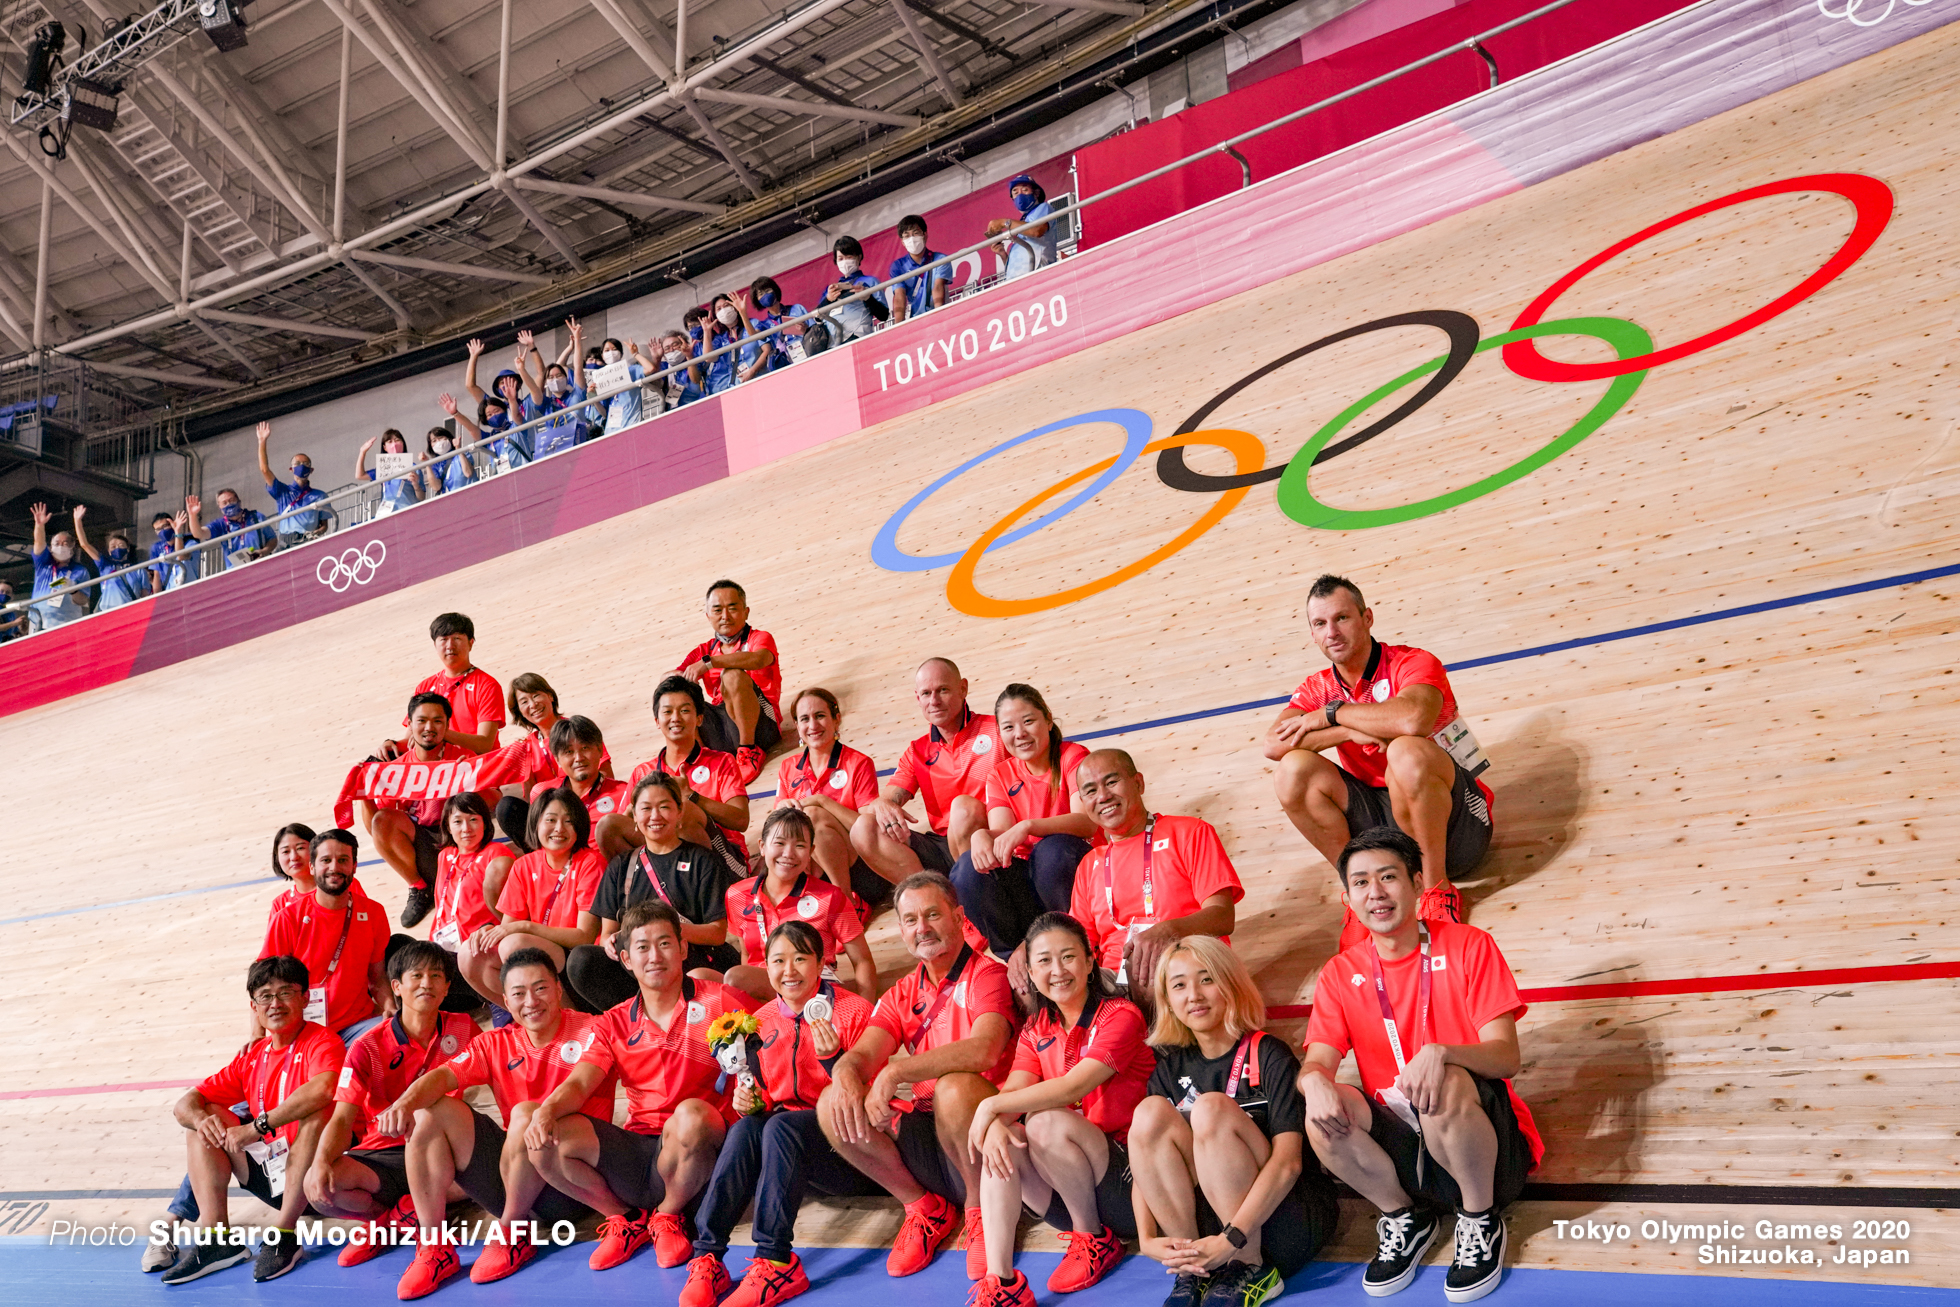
(787, 105)
(41, 169)
(957, 28)
(1100, 6)
(630, 199)
(721, 143)
(286, 324)
(930, 56)
(456, 269)
(157, 374)
(223, 342)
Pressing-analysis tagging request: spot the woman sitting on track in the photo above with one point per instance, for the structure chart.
(830, 781)
(546, 891)
(1227, 1197)
(1052, 1139)
(471, 869)
(775, 1154)
(292, 862)
(534, 706)
(786, 890)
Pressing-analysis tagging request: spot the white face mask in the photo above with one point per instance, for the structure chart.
(442, 446)
(847, 267)
(729, 314)
(673, 357)
(554, 386)
(62, 553)
(612, 356)
(915, 245)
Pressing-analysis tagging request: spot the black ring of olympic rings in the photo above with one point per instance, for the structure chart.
(1463, 333)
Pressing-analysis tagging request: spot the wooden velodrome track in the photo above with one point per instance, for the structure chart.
(1761, 793)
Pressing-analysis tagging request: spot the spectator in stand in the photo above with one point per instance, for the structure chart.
(244, 538)
(1034, 246)
(341, 936)
(444, 469)
(766, 312)
(170, 566)
(267, 1152)
(623, 409)
(1225, 1195)
(396, 492)
(1052, 1140)
(475, 699)
(716, 812)
(408, 832)
(13, 625)
(684, 383)
(123, 579)
(854, 318)
(470, 872)
(728, 329)
(1038, 826)
(301, 526)
(928, 290)
(741, 677)
(557, 397)
(785, 891)
(689, 878)
(58, 573)
(776, 1151)
(830, 782)
(501, 408)
(533, 706)
(948, 766)
(1436, 1126)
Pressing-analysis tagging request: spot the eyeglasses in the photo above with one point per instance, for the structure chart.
(272, 997)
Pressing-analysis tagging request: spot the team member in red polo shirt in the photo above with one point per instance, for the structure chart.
(286, 1082)
(470, 874)
(450, 1144)
(1037, 832)
(476, 701)
(292, 862)
(739, 672)
(777, 1153)
(1151, 878)
(947, 767)
(578, 748)
(408, 832)
(940, 1040)
(1436, 1126)
(788, 890)
(533, 705)
(717, 809)
(368, 1180)
(341, 937)
(1052, 1139)
(831, 782)
(1407, 758)
(547, 893)
(643, 1175)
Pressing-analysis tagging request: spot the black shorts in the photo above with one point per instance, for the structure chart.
(627, 1164)
(428, 847)
(934, 852)
(1112, 1198)
(1467, 836)
(869, 885)
(258, 1184)
(918, 1148)
(1434, 1187)
(1299, 1226)
(719, 731)
(390, 1166)
(483, 1180)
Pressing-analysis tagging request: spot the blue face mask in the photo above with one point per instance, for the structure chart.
(1024, 200)
(301, 471)
(166, 535)
(767, 299)
(234, 510)
(118, 555)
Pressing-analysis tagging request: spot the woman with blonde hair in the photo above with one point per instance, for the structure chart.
(1227, 1196)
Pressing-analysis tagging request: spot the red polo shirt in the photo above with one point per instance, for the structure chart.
(262, 1077)
(311, 933)
(519, 1071)
(1110, 1031)
(661, 1069)
(474, 698)
(386, 1061)
(939, 767)
(1187, 866)
(910, 1012)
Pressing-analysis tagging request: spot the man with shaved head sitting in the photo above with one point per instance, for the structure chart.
(1149, 879)
(947, 767)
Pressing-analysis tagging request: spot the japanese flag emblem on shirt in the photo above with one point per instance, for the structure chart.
(699, 775)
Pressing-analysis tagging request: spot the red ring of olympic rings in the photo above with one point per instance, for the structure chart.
(1871, 197)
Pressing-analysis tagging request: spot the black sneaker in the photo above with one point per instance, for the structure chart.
(1241, 1284)
(421, 902)
(199, 1260)
(1187, 1291)
(1401, 1239)
(1479, 1256)
(277, 1257)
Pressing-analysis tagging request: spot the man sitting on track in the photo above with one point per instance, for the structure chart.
(940, 1041)
(1149, 879)
(408, 832)
(948, 767)
(1407, 760)
(1436, 1126)
(739, 672)
(341, 938)
(644, 1175)
(369, 1182)
(450, 1144)
(717, 810)
(579, 749)
(286, 1082)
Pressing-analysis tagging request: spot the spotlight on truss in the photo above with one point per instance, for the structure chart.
(223, 22)
(92, 104)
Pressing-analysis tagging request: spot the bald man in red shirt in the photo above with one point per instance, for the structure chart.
(947, 767)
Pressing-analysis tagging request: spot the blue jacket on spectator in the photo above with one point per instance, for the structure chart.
(51, 578)
(290, 497)
(918, 290)
(175, 573)
(562, 432)
(778, 344)
(721, 370)
(241, 533)
(396, 492)
(121, 586)
(623, 409)
(509, 452)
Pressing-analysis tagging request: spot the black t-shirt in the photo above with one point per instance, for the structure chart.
(1273, 1104)
(696, 880)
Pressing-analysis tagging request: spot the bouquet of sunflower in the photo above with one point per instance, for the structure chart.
(728, 1040)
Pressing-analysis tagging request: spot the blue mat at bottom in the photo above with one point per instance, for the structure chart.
(32, 1274)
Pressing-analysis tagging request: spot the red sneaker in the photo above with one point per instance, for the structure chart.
(382, 1235)
(1441, 903)
(671, 1244)
(748, 761)
(502, 1260)
(434, 1263)
(995, 1292)
(619, 1238)
(975, 1239)
(767, 1284)
(927, 1223)
(707, 1282)
(1089, 1258)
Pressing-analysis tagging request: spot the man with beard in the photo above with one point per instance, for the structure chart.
(341, 937)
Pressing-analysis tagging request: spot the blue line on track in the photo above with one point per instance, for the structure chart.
(151, 898)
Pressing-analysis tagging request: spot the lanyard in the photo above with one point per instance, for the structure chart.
(945, 992)
(262, 1078)
(645, 863)
(1109, 874)
(457, 871)
(1244, 1060)
(346, 924)
(544, 918)
(1422, 1001)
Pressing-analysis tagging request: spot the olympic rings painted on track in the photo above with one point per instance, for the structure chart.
(963, 595)
(1136, 430)
(1297, 502)
(1462, 330)
(1870, 196)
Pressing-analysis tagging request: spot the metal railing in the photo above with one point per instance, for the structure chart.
(353, 495)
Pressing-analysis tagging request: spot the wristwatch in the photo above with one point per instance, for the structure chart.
(263, 1124)
(1333, 707)
(1234, 1236)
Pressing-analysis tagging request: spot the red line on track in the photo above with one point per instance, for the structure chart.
(97, 1089)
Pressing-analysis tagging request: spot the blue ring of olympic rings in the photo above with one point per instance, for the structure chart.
(1136, 426)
